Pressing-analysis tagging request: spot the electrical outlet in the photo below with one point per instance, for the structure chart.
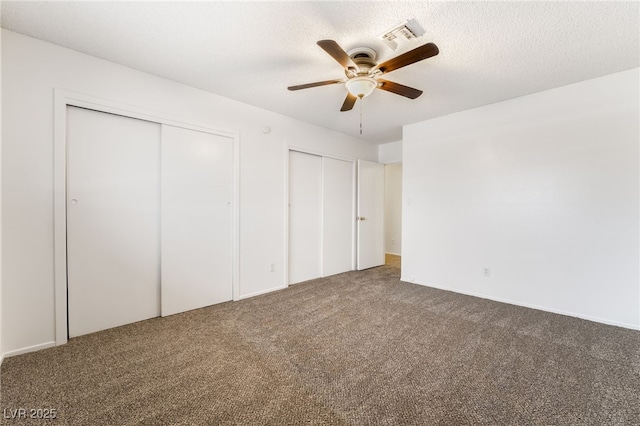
(486, 272)
(273, 267)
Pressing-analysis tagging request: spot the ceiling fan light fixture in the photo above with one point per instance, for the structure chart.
(361, 86)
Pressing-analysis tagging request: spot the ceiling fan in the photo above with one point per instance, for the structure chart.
(363, 72)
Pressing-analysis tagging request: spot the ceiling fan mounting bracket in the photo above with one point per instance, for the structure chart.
(362, 53)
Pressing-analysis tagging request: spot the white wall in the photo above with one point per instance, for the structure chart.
(393, 208)
(543, 190)
(390, 152)
(32, 69)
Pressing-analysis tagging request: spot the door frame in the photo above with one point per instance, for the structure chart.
(289, 148)
(64, 98)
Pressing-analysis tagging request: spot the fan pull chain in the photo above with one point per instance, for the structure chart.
(361, 99)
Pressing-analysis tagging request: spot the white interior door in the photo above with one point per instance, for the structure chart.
(197, 219)
(305, 216)
(112, 220)
(337, 216)
(370, 216)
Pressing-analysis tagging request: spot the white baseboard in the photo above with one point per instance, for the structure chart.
(532, 306)
(1, 359)
(29, 349)
(258, 293)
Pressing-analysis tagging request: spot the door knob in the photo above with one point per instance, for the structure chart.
(360, 218)
(74, 201)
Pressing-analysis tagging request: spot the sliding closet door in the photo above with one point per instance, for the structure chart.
(196, 224)
(305, 216)
(338, 216)
(112, 220)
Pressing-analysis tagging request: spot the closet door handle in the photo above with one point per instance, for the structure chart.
(360, 218)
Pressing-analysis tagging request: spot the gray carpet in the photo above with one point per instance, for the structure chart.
(360, 348)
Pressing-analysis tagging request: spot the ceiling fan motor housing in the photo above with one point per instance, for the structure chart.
(364, 58)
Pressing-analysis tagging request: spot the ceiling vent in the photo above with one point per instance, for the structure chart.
(407, 30)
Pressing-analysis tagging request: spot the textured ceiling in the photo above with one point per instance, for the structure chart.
(251, 51)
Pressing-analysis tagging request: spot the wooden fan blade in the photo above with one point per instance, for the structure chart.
(316, 84)
(418, 54)
(349, 102)
(337, 53)
(399, 89)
